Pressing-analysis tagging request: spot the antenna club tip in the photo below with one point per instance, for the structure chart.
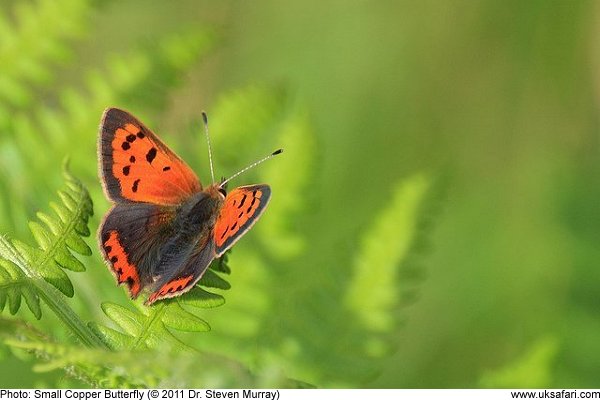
(204, 117)
(278, 151)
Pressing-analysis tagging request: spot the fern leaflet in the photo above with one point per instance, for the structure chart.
(35, 273)
(151, 327)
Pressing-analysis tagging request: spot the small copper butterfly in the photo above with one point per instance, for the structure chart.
(164, 229)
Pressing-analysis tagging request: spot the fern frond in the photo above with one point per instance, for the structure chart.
(35, 273)
(148, 368)
(57, 237)
(531, 370)
(97, 368)
(290, 177)
(243, 119)
(251, 118)
(259, 118)
(28, 46)
(126, 78)
(151, 327)
(14, 328)
(373, 292)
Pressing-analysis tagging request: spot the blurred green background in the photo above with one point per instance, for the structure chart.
(477, 121)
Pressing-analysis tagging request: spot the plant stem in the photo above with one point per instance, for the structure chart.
(53, 298)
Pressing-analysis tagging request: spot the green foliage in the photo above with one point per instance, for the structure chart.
(388, 248)
(292, 313)
(39, 125)
(27, 270)
(151, 327)
(148, 368)
(36, 39)
(292, 174)
(532, 370)
(383, 248)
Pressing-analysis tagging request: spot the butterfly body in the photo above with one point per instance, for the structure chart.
(164, 228)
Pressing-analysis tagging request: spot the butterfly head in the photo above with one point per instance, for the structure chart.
(216, 191)
(223, 187)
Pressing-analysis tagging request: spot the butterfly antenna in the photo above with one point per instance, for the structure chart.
(212, 171)
(273, 154)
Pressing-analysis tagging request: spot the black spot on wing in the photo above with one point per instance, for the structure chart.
(165, 169)
(243, 200)
(140, 134)
(132, 159)
(130, 138)
(251, 204)
(126, 170)
(225, 232)
(134, 188)
(125, 146)
(151, 155)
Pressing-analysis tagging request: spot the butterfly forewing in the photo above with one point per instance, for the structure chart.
(240, 211)
(137, 166)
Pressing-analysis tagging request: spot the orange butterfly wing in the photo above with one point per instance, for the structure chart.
(240, 211)
(137, 166)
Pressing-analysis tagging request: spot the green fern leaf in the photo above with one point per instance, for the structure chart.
(253, 117)
(114, 339)
(139, 329)
(243, 119)
(150, 327)
(213, 280)
(200, 298)
(180, 319)
(531, 370)
(128, 79)
(35, 39)
(141, 369)
(289, 177)
(384, 246)
(36, 273)
(97, 368)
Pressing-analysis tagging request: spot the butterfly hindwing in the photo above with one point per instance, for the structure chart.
(240, 211)
(131, 239)
(184, 278)
(137, 166)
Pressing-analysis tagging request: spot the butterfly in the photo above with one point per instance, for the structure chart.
(164, 228)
